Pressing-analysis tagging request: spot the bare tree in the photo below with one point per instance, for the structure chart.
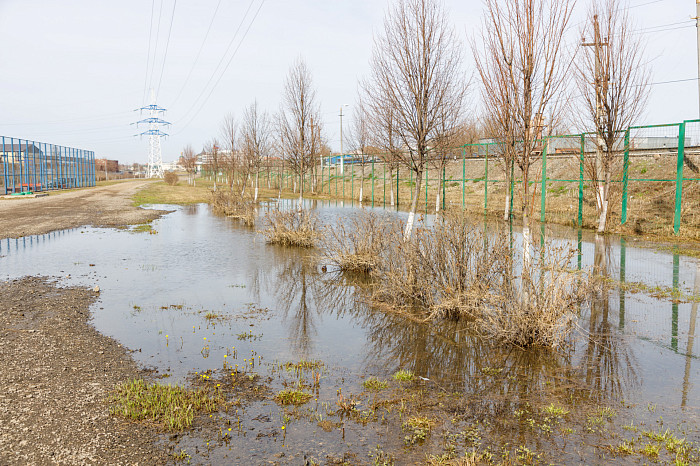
(614, 82)
(416, 71)
(523, 69)
(255, 141)
(360, 139)
(443, 149)
(386, 139)
(229, 159)
(298, 122)
(188, 160)
(212, 149)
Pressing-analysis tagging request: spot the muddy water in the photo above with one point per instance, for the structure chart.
(205, 293)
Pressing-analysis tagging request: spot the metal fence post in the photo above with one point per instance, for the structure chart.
(580, 180)
(372, 181)
(679, 178)
(625, 178)
(464, 175)
(543, 181)
(486, 179)
(443, 187)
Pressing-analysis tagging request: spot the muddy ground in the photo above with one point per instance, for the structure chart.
(56, 373)
(102, 206)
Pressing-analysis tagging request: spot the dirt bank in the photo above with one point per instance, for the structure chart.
(107, 206)
(56, 372)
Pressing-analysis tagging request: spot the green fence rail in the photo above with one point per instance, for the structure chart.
(666, 141)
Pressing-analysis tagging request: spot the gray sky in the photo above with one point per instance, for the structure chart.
(73, 71)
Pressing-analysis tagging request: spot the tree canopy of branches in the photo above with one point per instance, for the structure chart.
(416, 75)
(255, 142)
(614, 82)
(212, 151)
(229, 159)
(299, 122)
(360, 139)
(523, 69)
(188, 160)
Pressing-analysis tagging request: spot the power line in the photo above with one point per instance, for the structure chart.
(225, 68)
(196, 101)
(148, 55)
(201, 47)
(155, 48)
(167, 44)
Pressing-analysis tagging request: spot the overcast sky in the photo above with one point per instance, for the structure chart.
(73, 71)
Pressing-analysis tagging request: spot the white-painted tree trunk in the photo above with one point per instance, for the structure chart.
(255, 197)
(506, 211)
(414, 205)
(437, 202)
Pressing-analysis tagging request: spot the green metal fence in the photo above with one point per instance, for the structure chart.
(649, 179)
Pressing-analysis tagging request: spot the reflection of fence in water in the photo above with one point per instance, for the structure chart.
(30, 166)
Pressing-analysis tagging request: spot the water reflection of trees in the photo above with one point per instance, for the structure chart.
(608, 363)
(447, 352)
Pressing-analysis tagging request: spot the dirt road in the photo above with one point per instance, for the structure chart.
(106, 206)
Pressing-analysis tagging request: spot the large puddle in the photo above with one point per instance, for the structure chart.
(205, 291)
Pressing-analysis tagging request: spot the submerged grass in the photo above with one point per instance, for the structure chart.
(172, 408)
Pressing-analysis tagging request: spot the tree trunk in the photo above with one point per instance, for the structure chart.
(604, 193)
(437, 201)
(414, 204)
(362, 180)
(255, 197)
(506, 211)
(391, 186)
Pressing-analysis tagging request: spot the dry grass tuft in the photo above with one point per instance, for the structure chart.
(358, 245)
(235, 205)
(299, 228)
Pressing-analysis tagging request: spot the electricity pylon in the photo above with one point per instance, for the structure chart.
(154, 133)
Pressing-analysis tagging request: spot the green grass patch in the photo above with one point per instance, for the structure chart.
(374, 384)
(403, 375)
(182, 194)
(170, 407)
(292, 397)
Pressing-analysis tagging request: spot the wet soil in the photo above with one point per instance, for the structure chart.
(102, 206)
(56, 373)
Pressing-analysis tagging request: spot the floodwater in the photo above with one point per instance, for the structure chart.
(206, 291)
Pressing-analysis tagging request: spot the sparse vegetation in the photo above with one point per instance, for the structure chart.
(293, 227)
(374, 384)
(292, 397)
(403, 375)
(172, 408)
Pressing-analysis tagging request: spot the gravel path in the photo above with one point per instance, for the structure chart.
(56, 373)
(107, 206)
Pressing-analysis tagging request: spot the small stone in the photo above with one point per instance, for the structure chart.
(96, 289)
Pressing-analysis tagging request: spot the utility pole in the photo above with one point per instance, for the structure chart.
(154, 133)
(697, 27)
(342, 155)
(601, 90)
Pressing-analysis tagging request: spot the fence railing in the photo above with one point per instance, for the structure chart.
(31, 166)
(648, 179)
